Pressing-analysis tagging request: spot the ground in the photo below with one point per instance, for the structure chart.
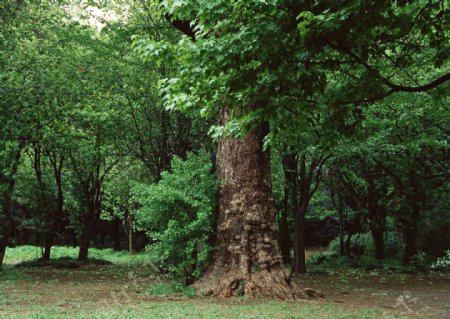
(133, 290)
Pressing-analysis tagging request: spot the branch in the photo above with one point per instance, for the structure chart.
(393, 87)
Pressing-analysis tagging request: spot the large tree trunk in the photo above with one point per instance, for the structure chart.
(248, 259)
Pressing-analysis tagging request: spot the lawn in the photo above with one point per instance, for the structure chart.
(128, 287)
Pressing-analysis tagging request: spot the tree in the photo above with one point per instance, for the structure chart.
(244, 61)
(303, 161)
(18, 89)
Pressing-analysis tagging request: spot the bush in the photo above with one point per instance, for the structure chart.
(442, 263)
(363, 244)
(177, 215)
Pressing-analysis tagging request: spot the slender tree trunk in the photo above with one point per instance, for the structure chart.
(85, 241)
(377, 216)
(7, 226)
(115, 234)
(290, 195)
(3, 244)
(85, 238)
(84, 249)
(248, 259)
(410, 234)
(130, 233)
(341, 233)
(348, 243)
(47, 248)
(299, 240)
(409, 240)
(283, 228)
(49, 241)
(378, 239)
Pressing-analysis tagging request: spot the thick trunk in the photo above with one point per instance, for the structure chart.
(248, 259)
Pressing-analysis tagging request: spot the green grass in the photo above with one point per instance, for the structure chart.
(170, 288)
(110, 291)
(24, 254)
(328, 261)
(208, 309)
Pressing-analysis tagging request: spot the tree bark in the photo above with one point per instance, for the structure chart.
(283, 229)
(379, 242)
(90, 222)
(299, 240)
(247, 259)
(84, 249)
(115, 233)
(290, 202)
(57, 170)
(377, 215)
(3, 244)
(341, 233)
(130, 232)
(348, 243)
(410, 227)
(7, 221)
(85, 242)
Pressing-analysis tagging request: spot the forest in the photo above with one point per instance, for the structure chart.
(224, 159)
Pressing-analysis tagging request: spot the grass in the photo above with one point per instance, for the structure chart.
(323, 261)
(23, 254)
(170, 288)
(126, 287)
(211, 309)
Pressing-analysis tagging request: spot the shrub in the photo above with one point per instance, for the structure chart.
(442, 263)
(363, 244)
(177, 215)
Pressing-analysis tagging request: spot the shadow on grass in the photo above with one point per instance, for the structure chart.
(62, 263)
